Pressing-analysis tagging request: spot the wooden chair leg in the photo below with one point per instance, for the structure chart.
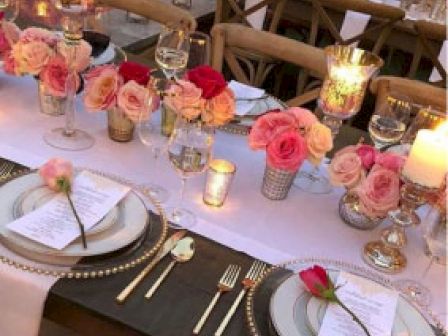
(416, 59)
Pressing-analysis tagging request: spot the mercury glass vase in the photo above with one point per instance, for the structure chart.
(277, 183)
(351, 214)
(48, 103)
(120, 127)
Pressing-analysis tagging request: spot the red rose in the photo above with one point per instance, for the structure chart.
(367, 154)
(318, 282)
(2, 15)
(211, 82)
(134, 71)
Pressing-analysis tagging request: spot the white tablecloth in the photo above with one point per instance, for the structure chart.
(303, 225)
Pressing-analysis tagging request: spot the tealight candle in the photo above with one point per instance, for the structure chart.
(427, 162)
(219, 177)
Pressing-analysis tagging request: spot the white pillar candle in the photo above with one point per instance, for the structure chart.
(427, 162)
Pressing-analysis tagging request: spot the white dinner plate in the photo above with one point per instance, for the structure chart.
(294, 312)
(124, 225)
(111, 53)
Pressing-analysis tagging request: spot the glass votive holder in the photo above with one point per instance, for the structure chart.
(219, 178)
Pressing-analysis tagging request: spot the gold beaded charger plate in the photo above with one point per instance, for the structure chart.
(241, 124)
(278, 305)
(124, 238)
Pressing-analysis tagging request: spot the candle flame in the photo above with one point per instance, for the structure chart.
(442, 129)
(42, 8)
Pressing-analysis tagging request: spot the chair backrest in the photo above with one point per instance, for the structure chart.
(429, 31)
(384, 16)
(421, 93)
(229, 11)
(227, 36)
(155, 10)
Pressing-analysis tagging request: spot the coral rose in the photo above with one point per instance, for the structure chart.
(35, 34)
(346, 170)
(54, 76)
(134, 100)
(379, 192)
(210, 81)
(287, 151)
(267, 127)
(220, 109)
(83, 53)
(185, 98)
(33, 57)
(304, 118)
(101, 89)
(319, 141)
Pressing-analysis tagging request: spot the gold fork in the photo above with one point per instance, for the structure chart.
(249, 280)
(225, 284)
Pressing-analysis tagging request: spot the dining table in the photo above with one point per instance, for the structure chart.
(248, 226)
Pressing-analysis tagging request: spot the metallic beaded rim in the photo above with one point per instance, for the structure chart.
(100, 272)
(370, 274)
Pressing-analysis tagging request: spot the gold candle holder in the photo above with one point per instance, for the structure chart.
(219, 178)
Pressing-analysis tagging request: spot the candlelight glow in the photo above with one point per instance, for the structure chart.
(219, 178)
(42, 8)
(442, 129)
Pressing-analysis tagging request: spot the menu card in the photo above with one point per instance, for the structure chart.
(54, 223)
(242, 92)
(372, 303)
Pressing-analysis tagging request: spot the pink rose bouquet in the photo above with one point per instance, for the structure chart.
(287, 151)
(202, 95)
(109, 86)
(9, 34)
(313, 139)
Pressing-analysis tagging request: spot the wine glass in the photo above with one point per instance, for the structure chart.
(150, 135)
(189, 151)
(199, 50)
(434, 234)
(388, 123)
(172, 51)
(10, 9)
(72, 21)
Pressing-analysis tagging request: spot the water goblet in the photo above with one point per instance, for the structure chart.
(189, 152)
(172, 51)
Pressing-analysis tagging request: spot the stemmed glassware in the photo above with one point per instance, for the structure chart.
(68, 137)
(150, 135)
(172, 51)
(10, 9)
(388, 123)
(189, 151)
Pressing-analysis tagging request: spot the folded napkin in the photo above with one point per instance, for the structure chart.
(243, 91)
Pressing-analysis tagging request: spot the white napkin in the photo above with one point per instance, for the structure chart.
(435, 76)
(256, 19)
(244, 91)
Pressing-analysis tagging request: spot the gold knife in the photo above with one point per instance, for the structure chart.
(166, 248)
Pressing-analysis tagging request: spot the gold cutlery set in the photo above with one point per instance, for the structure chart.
(182, 250)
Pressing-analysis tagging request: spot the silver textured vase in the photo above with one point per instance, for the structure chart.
(277, 183)
(351, 214)
(49, 104)
(120, 127)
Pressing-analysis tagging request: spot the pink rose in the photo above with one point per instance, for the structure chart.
(185, 98)
(55, 172)
(4, 43)
(390, 161)
(379, 192)
(10, 64)
(367, 154)
(267, 127)
(345, 170)
(220, 109)
(347, 149)
(133, 99)
(11, 31)
(304, 118)
(83, 52)
(33, 56)
(101, 90)
(287, 151)
(98, 70)
(319, 141)
(54, 76)
(34, 34)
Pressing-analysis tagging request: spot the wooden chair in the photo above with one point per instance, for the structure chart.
(258, 65)
(421, 93)
(227, 37)
(383, 18)
(155, 10)
(428, 31)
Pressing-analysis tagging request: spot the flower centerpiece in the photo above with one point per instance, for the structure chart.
(202, 96)
(43, 54)
(125, 92)
(372, 181)
(289, 137)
